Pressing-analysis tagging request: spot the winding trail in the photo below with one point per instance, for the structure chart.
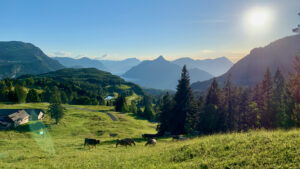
(109, 114)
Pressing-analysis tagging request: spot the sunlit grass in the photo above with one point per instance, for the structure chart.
(29, 149)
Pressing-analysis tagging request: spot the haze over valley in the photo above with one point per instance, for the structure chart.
(149, 84)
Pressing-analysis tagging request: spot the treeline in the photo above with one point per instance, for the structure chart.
(141, 108)
(274, 103)
(16, 91)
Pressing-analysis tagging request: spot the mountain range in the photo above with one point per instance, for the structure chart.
(18, 58)
(250, 70)
(80, 63)
(119, 67)
(216, 67)
(161, 74)
(116, 67)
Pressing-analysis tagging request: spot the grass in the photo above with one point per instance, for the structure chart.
(62, 145)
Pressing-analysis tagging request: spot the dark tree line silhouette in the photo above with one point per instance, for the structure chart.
(273, 103)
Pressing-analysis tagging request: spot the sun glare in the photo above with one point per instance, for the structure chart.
(258, 17)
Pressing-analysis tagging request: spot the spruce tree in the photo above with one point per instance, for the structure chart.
(164, 114)
(294, 88)
(281, 118)
(120, 104)
(210, 118)
(213, 94)
(183, 112)
(148, 112)
(267, 114)
(230, 104)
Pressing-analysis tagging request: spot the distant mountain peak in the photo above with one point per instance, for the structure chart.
(161, 74)
(160, 58)
(215, 67)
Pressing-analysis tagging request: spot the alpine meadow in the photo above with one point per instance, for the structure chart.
(149, 84)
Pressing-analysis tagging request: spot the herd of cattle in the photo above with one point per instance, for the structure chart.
(129, 141)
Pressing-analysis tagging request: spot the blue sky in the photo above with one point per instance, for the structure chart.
(119, 29)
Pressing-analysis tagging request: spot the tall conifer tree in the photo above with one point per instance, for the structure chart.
(267, 115)
(184, 104)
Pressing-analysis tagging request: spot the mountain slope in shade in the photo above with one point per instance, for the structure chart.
(18, 58)
(81, 63)
(161, 74)
(250, 70)
(215, 67)
(119, 67)
(86, 81)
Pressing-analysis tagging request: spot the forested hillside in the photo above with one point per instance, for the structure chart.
(76, 86)
(19, 58)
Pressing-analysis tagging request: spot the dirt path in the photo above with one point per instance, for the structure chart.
(109, 114)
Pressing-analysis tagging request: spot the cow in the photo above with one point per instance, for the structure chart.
(129, 140)
(151, 142)
(125, 142)
(93, 142)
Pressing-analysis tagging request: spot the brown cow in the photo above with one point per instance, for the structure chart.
(125, 142)
(93, 142)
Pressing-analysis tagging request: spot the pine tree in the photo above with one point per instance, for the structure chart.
(267, 114)
(281, 118)
(213, 95)
(164, 115)
(210, 118)
(294, 88)
(229, 105)
(183, 112)
(148, 112)
(120, 104)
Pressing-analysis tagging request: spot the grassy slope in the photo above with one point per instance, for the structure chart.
(61, 146)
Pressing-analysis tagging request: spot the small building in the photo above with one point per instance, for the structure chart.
(108, 98)
(11, 118)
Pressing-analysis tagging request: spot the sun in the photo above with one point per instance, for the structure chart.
(258, 17)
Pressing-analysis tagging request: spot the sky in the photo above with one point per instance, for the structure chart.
(145, 29)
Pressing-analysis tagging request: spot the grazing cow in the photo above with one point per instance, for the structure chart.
(125, 142)
(151, 142)
(93, 142)
(129, 140)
